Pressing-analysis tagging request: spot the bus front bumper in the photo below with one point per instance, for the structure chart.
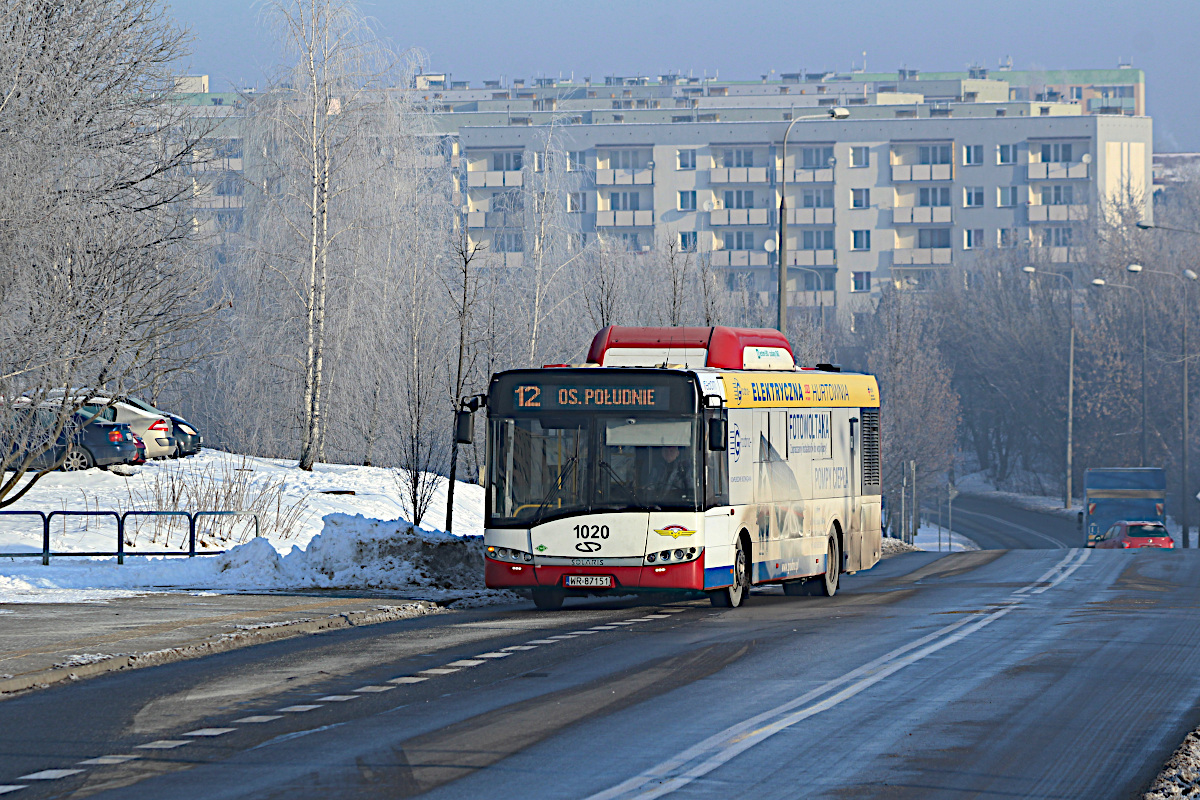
(688, 575)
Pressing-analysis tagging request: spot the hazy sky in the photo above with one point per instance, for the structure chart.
(742, 39)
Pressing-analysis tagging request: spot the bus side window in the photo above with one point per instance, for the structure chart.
(716, 474)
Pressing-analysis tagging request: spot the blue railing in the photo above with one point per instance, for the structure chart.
(121, 519)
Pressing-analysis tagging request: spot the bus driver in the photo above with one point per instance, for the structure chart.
(672, 475)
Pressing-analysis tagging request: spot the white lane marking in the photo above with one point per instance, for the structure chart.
(437, 671)
(297, 709)
(1059, 545)
(711, 753)
(520, 647)
(374, 688)
(560, 637)
(164, 744)
(673, 610)
(1066, 573)
(541, 641)
(104, 761)
(210, 732)
(657, 616)
(582, 633)
(408, 679)
(259, 718)
(49, 774)
(337, 698)
(10, 788)
(493, 655)
(603, 628)
(466, 662)
(624, 622)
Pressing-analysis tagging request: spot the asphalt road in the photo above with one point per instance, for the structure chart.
(1037, 673)
(994, 525)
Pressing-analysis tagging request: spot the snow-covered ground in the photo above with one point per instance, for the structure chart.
(928, 538)
(310, 539)
(978, 483)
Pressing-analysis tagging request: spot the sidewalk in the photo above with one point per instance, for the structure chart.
(44, 643)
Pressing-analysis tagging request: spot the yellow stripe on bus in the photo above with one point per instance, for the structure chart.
(799, 389)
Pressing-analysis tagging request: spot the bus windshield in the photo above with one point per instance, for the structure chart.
(564, 443)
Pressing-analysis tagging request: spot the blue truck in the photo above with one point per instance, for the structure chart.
(1113, 494)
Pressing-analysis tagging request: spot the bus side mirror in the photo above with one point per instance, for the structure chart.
(1079, 521)
(718, 434)
(464, 424)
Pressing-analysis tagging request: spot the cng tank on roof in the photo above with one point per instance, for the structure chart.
(721, 347)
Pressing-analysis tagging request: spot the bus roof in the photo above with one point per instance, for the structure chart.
(720, 346)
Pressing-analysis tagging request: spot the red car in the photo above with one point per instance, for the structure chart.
(1127, 533)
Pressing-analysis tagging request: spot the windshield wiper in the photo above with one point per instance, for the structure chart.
(554, 489)
(613, 473)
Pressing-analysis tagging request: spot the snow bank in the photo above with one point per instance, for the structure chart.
(928, 538)
(352, 552)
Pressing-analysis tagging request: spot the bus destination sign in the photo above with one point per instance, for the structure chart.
(554, 396)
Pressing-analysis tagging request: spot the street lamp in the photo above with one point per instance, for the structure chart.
(1101, 283)
(1184, 278)
(818, 286)
(1031, 270)
(834, 113)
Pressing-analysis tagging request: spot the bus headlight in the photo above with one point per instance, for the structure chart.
(678, 555)
(651, 558)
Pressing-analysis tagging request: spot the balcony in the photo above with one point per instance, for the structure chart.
(624, 177)
(910, 256)
(217, 202)
(922, 215)
(476, 219)
(1040, 213)
(810, 176)
(493, 179)
(922, 172)
(1058, 171)
(1067, 255)
(811, 258)
(738, 216)
(739, 258)
(624, 219)
(738, 175)
(811, 299)
(810, 216)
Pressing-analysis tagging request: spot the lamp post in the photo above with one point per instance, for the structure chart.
(819, 286)
(1187, 278)
(834, 113)
(1067, 479)
(1101, 282)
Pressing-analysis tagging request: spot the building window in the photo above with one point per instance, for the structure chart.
(739, 158)
(928, 238)
(1056, 237)
(739, 198)
(816, 198)
(509, 200)
(687, 201)
(1055, 151)
(1076, 92)
(860, 240)
(1007, 237)
(632, 242)
(816, 240)
(507, 242)
(860, 198)
(860, 156)
(933, 196)
(624, 201)
(575, 161)
(1007, 154)
(508, 162)
(816, 157)
(577, 202)
(1063, 195)
(626, 159)
(860, 282)
(972, 155)
(686, 159)
(1007, 196)
(973, 238)
(973, 197)
(739, 240)
(934, 154)
(687, 241)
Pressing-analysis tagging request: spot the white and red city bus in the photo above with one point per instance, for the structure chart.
(681, 459)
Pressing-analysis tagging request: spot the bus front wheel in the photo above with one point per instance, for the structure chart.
(732, 596)
(548, 599)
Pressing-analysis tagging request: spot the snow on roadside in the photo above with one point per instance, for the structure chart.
(1180, 777)
(928, 538)
(352, 552)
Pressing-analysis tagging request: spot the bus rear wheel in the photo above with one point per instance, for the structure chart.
(732, 596)
(548, 599)
(825, 585)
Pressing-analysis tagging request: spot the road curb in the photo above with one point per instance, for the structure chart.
(243, 636)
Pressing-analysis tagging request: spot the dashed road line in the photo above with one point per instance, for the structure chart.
(493, 655)
(408, 679)
(163, 744)
(467, 662)
(259, 718)
(104, 761)
(542, 641)
(298, 709)
(439, 671)
(337, 698)
(520, 647)
(49, 774)
(209, 732)
(10, 788)
(374, 688)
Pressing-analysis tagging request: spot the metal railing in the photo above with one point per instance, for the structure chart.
(120, 553)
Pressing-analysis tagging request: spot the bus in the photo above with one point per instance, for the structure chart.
(682, 460)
